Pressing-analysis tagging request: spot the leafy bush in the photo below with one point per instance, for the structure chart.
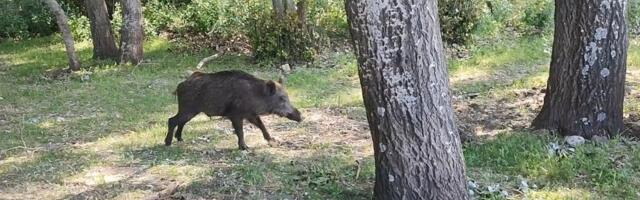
(24, 18)
(80, 28)
(538, 16)
(275, 40)
(327, 19)
(514, 17)
(458, 18)
(116, 24)
(633, 16)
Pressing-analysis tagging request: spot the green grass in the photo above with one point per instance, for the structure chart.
(605, 171)
(99, 132)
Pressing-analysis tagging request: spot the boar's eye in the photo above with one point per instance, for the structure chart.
(282, 98)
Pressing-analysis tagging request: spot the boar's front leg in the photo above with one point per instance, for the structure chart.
(255, 120)
(236, 122)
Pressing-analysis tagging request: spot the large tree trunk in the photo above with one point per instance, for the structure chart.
(61, 20)
(404, 81)
(131, 32)
(104, 45)
(588, 65)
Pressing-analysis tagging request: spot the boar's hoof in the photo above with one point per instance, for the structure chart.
(244, 147)
(273, 142)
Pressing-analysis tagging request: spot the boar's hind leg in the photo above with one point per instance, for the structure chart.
(255, 120)
(236, 122)
(179, 120)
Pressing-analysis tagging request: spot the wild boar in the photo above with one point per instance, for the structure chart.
(235, 95)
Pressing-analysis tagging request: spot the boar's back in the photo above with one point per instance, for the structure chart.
(217, 93)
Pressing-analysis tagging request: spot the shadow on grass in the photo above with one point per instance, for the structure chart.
(259, 176)
(46, 166)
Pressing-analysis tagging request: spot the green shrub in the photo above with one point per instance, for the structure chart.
(458, 18)
(538, 16)
(633, 16)
(275, 41)
(514, 17)
(327, 19)
(80, 28)
(12, 25)
(24, 18)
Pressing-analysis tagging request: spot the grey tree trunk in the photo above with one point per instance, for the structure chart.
(404, 82)
(289, 6)
(131, 32)
(283, 7)
(278, 8)
(104, 45)
(588, 66)
(302, 13)
(61, 20)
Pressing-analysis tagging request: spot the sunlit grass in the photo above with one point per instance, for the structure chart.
(560, 194)
(95, 132)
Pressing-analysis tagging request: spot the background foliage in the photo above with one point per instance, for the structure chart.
(197, 25)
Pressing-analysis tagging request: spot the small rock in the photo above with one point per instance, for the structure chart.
(598, 139)
(60, 119)
(552, 148)
(574, 140)
(504, 193)
(85, 77)
(472, 185)
(493, 188)
(1, 98)
(523, 185)
(34, 120)
(286, 68)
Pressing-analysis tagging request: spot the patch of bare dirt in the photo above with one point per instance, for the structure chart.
(486, 116)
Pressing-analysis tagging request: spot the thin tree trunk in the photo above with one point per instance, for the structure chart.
(61, 20)
(588, 65)
(404, 81)
(278, 8)
(131, 32)
(104, 45)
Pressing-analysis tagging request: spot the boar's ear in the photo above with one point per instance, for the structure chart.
(271, 87)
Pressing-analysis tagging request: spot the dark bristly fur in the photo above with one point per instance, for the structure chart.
(235, 95)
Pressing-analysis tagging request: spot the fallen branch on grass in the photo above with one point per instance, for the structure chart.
(207, 59)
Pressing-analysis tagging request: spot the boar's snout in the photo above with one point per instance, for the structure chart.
(295, 116)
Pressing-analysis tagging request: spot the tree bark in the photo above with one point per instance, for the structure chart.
(61, 20)
(289, 6)
(588, 66)
(302, 14)
(278, 8)
(111, 7)
(104, 45)
(404, 82)
(131, 32)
